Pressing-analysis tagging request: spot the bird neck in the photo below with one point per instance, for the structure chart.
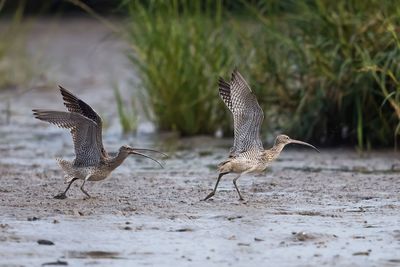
(104, 153)
(114, 162)
(273, 153)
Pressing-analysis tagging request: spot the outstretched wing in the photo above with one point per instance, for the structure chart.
(247, 113)
(83, 131)
(74, 104)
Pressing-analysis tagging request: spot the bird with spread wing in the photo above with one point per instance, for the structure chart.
(92, 162)
(247, 154)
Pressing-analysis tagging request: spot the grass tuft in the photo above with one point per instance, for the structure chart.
(323, 71)
(15, 66)
(128, 119)
(307, 65)
(178, 49)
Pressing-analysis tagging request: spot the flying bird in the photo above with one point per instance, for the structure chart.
(247, 154)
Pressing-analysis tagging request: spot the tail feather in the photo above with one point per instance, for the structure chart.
(66, 166)
(225, 166)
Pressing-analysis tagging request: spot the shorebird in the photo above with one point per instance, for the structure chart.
(92, 162)
(247, 154)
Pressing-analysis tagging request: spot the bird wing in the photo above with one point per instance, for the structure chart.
(74, 104)
(247, 113)
(83, 131)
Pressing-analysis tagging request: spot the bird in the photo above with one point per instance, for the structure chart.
(92, 162)
(247, 154)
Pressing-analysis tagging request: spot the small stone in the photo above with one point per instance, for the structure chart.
(361, 253)
(231, 218)
(45, 242)
(58, 262)
(303, 236)
(232, 237)
(183, 230)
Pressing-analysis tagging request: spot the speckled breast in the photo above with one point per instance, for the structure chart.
(249, 160)
(98, 174)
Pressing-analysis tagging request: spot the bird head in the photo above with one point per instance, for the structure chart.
(128, 150)
(284, 140)
(125, 149)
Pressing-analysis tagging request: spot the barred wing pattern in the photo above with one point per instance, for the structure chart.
(247, 113)
(83, 131)
(74, 104)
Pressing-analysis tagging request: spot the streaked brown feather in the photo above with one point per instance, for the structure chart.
(247, 113)
(83, 131)
(75, 104)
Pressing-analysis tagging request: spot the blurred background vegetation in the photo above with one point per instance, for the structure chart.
(324, 71)
(15, 67)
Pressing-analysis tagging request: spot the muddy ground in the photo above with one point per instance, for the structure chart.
(335, 208)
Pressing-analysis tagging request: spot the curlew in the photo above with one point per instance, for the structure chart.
(92, 162)
(247, 154)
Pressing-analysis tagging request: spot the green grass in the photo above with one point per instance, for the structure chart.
(307, 64)
(178, 49)
(16, 69)
(127, 117)
(385, 70)
(323, 71)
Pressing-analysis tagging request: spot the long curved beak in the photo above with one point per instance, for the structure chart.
(143, 155)
(151, 150)
(302, 143)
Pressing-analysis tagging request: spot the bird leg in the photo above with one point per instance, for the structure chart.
(216, 185)
(237, 189)
(83, 190)
(237, 177)
(63, 194)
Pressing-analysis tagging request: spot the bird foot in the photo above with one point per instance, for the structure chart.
(86, 193)
(209, 195)
(241, 199)
(60, 196)
(87, 197)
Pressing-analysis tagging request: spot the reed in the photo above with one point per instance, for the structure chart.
(324, 71)
(178, 49)
(309, 59)
(16, 69)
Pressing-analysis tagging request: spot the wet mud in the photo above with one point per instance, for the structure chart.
(336, 208)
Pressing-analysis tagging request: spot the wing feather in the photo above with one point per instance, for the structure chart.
(83, 131)
(74, 104)
(247, 113)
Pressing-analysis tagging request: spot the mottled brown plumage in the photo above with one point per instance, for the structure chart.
(247, 154)
(92, 162)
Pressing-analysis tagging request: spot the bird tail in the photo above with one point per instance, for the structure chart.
(66, 166)
(225, 166)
